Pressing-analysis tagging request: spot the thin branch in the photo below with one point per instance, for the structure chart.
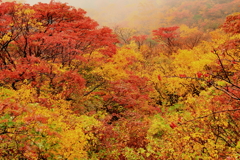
(217, 112)
(227, 92)
(220, 61)
(86, 94)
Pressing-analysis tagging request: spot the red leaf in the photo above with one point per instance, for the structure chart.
(182, 75)
(173, 125)
(206, 75)
(234, 62)
(199, 74)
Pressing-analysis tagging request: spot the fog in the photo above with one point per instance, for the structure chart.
(147, 15)
(112, 12)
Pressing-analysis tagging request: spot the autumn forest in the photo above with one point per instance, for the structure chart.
(166, 89)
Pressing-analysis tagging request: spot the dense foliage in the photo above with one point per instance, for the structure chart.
(70, 89)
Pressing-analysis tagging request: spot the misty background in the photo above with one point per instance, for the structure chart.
(112, 12)
(147, 15)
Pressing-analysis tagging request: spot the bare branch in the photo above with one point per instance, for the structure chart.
(216, 112)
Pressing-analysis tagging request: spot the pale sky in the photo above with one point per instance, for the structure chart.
(106, 12)
(36, 1)
(88, 3)
(75, 3)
